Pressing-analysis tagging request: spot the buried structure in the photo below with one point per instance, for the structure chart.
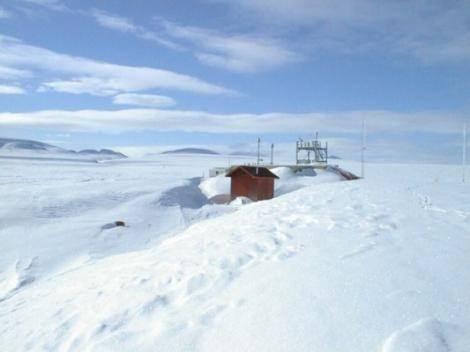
(254, 182)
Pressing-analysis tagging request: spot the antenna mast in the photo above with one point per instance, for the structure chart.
(464, 151)
(363, 149)
(272, 154)
(258, 157)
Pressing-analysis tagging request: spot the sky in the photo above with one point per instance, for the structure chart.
(92, 74)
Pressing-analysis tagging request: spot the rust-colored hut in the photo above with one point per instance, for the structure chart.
(254, 182)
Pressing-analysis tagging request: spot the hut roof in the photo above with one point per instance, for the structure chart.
(253, 171)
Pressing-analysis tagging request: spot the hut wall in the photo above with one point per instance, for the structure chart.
(242, 186)
(265, 189)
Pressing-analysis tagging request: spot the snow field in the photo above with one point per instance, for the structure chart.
(373, 265)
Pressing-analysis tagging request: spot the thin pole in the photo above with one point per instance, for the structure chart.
(464, 151)
(296, 152)
(326, 152)
(272, 154)
(363, 149)
(258, 158)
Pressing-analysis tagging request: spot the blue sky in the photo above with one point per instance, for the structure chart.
(119, 73)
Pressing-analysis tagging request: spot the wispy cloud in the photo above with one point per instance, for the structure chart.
(4, 13)
(83, 75)
(148, 100)
(199, 121)
(430, 31)
(123, 24)
(115, 22)
(235, 52)
(7, 73)
(5, 89)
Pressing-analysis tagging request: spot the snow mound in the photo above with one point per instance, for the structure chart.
(241, 201)
(19, 274)
(290, 181)
(214, 186)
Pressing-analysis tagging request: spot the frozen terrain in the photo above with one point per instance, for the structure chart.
(22, 149)
(380, 264)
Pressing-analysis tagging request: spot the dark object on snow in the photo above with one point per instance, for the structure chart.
(113, 225)
(254, 182)
(348, 176)
(220, 199)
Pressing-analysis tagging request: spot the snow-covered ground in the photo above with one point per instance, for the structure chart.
(380, 264)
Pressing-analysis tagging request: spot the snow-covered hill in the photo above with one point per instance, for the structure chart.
(379, 264)
(34, 150)
(23, 144)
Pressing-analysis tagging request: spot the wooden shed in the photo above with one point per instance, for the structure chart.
(254, 182)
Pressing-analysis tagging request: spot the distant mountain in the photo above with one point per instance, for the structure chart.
(10, 147)
(191, 151)
(103, 152)
(24, 144)
(333, 157)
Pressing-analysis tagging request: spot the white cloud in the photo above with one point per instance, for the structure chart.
(122, 24)
(82, 75)
(240, 53)
(113, 21)
(148, 100)
(429, 30)
(7, 73)
(199, 121)
(83, 85)
(4, 89)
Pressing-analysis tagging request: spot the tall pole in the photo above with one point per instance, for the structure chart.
(464, 151)
(326, 152)
(363, 148)
(296, 152)
(272, 154)
(258, 158)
